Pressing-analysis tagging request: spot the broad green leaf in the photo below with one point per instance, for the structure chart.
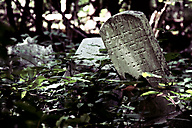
(129, 107)
(27, 107)
(75, 79)
(80, 105)
(189, 91)
(104, 92)
(39, 80)
(187, 80)
(170, 83)
(90, 104)
(176, 93)
(103, 50)
(21, 80)
(149, 93)
(85, 118)
(82, 74)
(58, 123)
(24, 35)
(188, 71)
(171, 56)
(13, 39)
(57, 43)
(53, 86)
(23, 94)
(162, 84)
(147, 74)
(62, 35)
(99, 100)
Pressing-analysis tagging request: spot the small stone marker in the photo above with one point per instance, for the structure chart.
(132, 46)
(89, 50)
(87, 54)
(30, 54)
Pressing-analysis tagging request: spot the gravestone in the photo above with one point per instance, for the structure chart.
(132, 46)
(29, 54)
(86, 56)
(133, 50)
(89, 50)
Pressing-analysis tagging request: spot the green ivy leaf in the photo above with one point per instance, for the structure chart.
(46, 32)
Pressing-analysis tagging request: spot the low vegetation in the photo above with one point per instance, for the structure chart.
(45, 96)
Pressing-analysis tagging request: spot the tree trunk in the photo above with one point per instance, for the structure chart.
(10, 14)
(141, 5)
(24, 18)
(39, 20)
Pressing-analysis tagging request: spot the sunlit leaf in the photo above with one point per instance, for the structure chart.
(90, 105)
(24, 35)
(74, 79)
(23, 94)
(170, 83)
(53, 86)
(58, 43)
(187, 80)
(21, 80)
(103, 50)
(149, 93)
(13, 39)
(129, 107)
(58, 123)
(40, 79)
(80, 105)
(162, 84)
(147, 74)
(100, 100)
(189, 91)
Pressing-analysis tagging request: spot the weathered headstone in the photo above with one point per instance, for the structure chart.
(29, 54)
(89, 50)
(133, 50)
(132, 46)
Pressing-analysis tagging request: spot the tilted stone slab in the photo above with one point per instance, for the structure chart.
(89, 49)
(87, 54)
(133, 50)
(132, 46)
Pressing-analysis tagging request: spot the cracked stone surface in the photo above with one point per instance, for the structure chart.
(133, 50)
(133, 47)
